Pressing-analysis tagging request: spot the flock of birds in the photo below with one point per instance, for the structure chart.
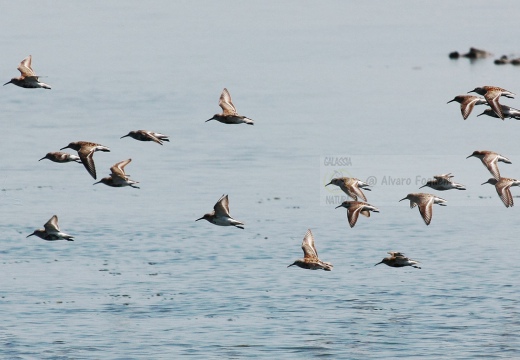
(118, 177)
(491, 96)
(490, 159)
(353, 187)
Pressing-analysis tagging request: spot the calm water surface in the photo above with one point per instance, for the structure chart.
(364, 81)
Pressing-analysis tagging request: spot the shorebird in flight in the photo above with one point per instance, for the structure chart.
(351, 186)
(425, 203)
(490, 160)
(220, 214)
(118, 177)
(145, 135)
(443, 182)
(51, 231)
(28, 79)
(310, 255)
(492, 94)
(467, 103)
(61, 157)
(397, 259)
(86, 151)
(354, 208)
(229, 112)
(503, 188)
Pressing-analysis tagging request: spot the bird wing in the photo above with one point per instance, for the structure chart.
(348, 190)
(503, 188)
(225, 103)
(491, 162)
(447, 177)
(118, 169)
(395, 253)
(492, 97)
(467, 105)
(222, 207)
(309, 250)
(426, 210)
(152, 136)
(353, 214)
(354, 191)
(86, 154)
(51, 226)
(25, 67)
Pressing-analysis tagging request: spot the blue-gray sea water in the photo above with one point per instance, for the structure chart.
(357, 88)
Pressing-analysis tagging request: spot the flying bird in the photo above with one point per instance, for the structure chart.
(507, 111)
(229, 112)
(61, 157)
(28, 79)
(397, 259)
(351, 186)
(310, 255)
(490, 160)
(443, 182)
(354, 208)
(51, 231)
(503, 188)
(492, 94)
(220, 214)
(467, 103)
(118, 177)
(86, 151)
(425, 203)
(145, 135)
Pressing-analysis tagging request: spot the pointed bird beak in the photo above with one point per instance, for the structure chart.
(338, 206)
(469, 156)
(208, 120)
(124, 136)
(96, 182)
(64, 147)
(403, 199)
(7, 83)
(200, 218)
(29, 235)
(329, 183)
(450, 101)
(469, 92)
(487, 182)
(419, 188)
(379, 263)
(42, 158)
